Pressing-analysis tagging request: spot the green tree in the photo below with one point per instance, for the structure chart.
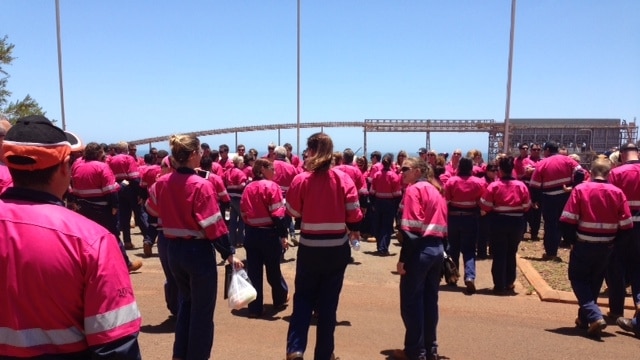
(19, 108)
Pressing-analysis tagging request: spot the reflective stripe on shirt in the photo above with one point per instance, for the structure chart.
(323, 242)
(111, 319)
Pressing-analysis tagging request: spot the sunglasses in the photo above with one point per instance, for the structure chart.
(524, 148)
(405, 169)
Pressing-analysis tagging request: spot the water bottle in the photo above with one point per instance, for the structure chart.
(355, 244)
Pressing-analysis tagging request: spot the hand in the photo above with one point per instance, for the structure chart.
(284, 243)
(483, 213)
(354, 235)
(114, 211)
(237, 264)
(400, 268)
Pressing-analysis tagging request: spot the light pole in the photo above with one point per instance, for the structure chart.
(64, 122)
(298, 85)
(508, 105)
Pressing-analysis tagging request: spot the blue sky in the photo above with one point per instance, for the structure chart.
(137, 69)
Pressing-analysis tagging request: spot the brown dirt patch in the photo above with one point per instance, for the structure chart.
(553, 272)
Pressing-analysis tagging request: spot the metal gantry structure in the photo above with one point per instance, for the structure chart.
(577, 135)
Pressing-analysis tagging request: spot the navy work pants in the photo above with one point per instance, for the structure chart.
(264, 250)
(623, 269)
(128, 203)
(319, 276)
(587, 267)
(552, 206)
(193, 265)
(170, 286)
(385, 214)
(419, 295)
(506, 234)
(102, 215)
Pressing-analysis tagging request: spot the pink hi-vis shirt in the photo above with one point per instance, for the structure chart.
(218, 185)
(124, 167)
(235, 180)
(64, 286)
(506, 197)
(5, 178)
(187, 206)
(326, 201)
(386, 185)
(627, 178)
(261, 201)
(92, 179)
(357, 176)
(599, 209)
(284, 174)
(553, 172)
(424, 210)
(463, 193)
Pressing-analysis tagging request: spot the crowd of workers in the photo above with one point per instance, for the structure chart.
(464, 206)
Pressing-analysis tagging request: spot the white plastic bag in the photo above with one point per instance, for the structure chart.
(241, 292)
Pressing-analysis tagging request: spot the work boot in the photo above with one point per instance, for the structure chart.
(147, 249)
(295, 356)
(627, 325)
(135, 265)
(596, 327)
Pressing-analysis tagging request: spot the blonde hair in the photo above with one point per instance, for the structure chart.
(425, 170)
(182, 146)
(600, 168)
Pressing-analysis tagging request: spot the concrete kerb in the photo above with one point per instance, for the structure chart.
(546, 293)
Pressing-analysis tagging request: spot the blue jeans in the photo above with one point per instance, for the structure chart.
(552, 206)
(587, 267)
(170, 286)
(264, 250)
(236, 225)
(193, 265)
(385, 214)
(319, 277)
(419, 296)
(463, 232)
(507, 233)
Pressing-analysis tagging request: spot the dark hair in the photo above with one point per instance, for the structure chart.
(387, 160)
(92, 151)
(506, 165)
(347, 156)
(27, 178)
(214, 155)
(248, 158)
(223, 147)
(205, 146)
(162, 154)
(288, 146)
(465, 167)
(376, 154)
(148, 158)
(258, 165)
(205, 163)
(552, 146)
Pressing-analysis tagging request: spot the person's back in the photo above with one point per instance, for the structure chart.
(78, 277)
(63, 295)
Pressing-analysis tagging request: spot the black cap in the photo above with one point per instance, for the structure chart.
(629, 147)
(422, 151)
(34, 143)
